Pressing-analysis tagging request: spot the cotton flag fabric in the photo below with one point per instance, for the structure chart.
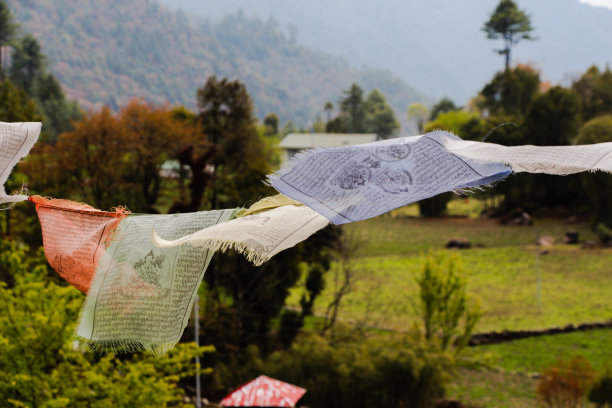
(264, 392)
(258, 236)
(355, 183)
(74, 237)
(16, 140)
(141, 295)
(559, 160)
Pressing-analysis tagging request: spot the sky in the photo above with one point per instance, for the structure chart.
(602, 3)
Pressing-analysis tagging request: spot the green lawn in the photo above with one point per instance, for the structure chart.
(501, 269)
(502, 272)
(533, 354)
(507, 376)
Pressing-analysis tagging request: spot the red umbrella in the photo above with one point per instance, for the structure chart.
(264, 392)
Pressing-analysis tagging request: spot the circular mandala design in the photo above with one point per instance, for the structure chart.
(393, 152)
(353, 176)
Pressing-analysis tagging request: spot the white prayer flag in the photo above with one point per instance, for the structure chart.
(16, 140)
(354, 183)
(260, 236)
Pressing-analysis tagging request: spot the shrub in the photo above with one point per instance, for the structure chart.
(564, 384)
(42, 366)
(601, 393)
(444, 307)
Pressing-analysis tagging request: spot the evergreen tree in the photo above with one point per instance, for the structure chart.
(595, 90)
(27, 62)
(15, 105)
(28, 72)
(271, 123)
(7, 30)
(352, 105)
(510, 92)
(509, 23)
(58, 112)
(444, 105)
(328, 108)
(598, 185)
(379, 116)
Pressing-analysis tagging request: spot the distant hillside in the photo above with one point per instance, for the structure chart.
(437, 45)
(108, 51)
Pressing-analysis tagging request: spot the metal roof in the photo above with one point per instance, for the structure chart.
(308, 140)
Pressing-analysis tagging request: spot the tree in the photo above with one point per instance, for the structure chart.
(443, 302)
(58, 112)
(7, 30)
(510, 24)
(230, 159)
(553, 118)
(598, 186)
(242, 300)
(419, 113)
(152, 137)
(352, 105)
(348, 247)
(466, 125)
(27, 62)
(595, 90)
(93, 157)
(328, 108)
(116, 159)
(444, 105)
(28, 72)
(15, 106)
(510, 92)
(41, 364)
(271, 123)
(379, 116)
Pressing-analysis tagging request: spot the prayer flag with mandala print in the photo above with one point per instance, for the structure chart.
(142, 295)
(354, 183)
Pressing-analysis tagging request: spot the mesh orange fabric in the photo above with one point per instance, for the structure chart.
(74, 237)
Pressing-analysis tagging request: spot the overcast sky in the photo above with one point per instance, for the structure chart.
(603, 3)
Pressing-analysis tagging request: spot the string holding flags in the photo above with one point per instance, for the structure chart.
(141, 272)
(354, 183)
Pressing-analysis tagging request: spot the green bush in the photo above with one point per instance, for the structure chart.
(444, 307)
(353, 372)
(42, 365)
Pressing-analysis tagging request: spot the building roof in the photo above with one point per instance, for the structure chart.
(308, 140)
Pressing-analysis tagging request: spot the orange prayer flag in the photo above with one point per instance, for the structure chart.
(74, 237)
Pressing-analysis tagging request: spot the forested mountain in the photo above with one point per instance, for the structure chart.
(435, 44)
(106, 52)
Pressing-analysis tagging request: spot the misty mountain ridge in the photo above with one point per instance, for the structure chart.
(110, 53)
(437, 45)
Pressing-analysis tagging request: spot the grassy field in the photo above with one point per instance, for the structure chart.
(502, 270)
(507, 374)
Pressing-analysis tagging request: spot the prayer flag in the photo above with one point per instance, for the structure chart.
(74, 237)
(16, 140)
(560, 160)
(141, 296)
(354, 183)
(258, 236)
